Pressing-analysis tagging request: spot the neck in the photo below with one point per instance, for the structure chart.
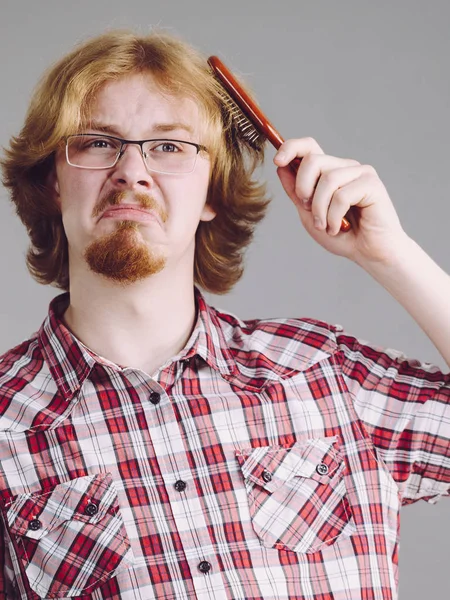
(140, 325)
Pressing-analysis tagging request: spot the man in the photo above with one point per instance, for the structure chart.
(153, 447)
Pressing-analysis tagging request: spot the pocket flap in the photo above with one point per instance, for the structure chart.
(272, 466)
(85, 499)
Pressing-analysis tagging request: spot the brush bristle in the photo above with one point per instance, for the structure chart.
(247, 131)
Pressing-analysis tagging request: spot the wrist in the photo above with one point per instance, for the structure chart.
(401, 257)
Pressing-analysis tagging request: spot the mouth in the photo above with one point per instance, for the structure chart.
(129, 212)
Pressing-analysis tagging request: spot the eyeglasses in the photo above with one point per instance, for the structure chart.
(92, 151)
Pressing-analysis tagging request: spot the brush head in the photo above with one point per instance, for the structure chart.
(252, 125)
(244, 127)
(233, 104)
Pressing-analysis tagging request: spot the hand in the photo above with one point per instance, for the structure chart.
(324, 190)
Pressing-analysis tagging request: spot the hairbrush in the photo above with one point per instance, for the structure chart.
(255, 128)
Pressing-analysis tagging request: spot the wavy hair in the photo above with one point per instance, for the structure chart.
(60, 105)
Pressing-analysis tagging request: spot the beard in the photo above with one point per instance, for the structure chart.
(122, 256)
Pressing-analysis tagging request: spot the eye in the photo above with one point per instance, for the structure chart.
(97, 144)
(100, 143)
(166, 147)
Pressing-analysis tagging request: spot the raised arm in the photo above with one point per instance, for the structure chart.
(324, 190)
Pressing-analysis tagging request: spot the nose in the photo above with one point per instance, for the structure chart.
(130, 171)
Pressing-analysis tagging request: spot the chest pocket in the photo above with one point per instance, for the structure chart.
(72, 539)
(297, 496)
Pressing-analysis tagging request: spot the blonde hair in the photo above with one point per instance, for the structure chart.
(59, 107)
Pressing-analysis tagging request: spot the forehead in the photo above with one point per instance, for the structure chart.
(138, 103)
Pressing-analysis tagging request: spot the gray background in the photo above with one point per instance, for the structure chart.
(368, 80)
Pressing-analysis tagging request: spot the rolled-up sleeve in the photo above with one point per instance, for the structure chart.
(405, 407)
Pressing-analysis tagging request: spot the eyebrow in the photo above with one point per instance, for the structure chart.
(158, 128)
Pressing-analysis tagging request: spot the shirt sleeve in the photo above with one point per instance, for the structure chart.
(405, 407)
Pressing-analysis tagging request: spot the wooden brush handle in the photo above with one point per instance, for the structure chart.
(256, 117)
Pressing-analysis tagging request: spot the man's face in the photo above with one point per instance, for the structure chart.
(157, 230)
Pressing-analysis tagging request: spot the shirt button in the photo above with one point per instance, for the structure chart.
(266, 476)
(34, 525)
(322, 469)
(155, 398)
(204, 567)
(91, 509)
(180, 485)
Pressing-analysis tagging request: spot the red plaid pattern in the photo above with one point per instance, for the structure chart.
(297, 495)
(71, 537)
(268, 460)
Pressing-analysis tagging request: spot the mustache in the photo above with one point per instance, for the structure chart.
(116, 198)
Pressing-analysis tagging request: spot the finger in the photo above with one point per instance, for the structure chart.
(293, 148)
(287, 178)
(310, 170)
(328, 184)
(355, 193)
(313, 169)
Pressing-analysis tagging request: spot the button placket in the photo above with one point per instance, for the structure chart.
(170, 451)
(155, 398)
(180, 485)
(204, 567)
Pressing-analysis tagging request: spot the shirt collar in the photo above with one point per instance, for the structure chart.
(70, 362)
(208, 339)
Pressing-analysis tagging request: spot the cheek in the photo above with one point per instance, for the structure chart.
(186, 197)
(77, 200)
(200, 185)
(78, 193)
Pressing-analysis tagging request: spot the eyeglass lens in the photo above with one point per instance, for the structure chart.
(100, 152)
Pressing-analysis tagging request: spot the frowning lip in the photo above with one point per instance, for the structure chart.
(131, 212)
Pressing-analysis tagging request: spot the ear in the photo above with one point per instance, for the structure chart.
(53, 183)
(208, 213)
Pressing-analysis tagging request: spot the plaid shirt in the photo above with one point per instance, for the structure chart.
(268, 460)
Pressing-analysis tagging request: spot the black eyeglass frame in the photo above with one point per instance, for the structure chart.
(124, 142)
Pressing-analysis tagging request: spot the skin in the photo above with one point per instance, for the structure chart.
(146, 323)
(324, 190)
(142, 324)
